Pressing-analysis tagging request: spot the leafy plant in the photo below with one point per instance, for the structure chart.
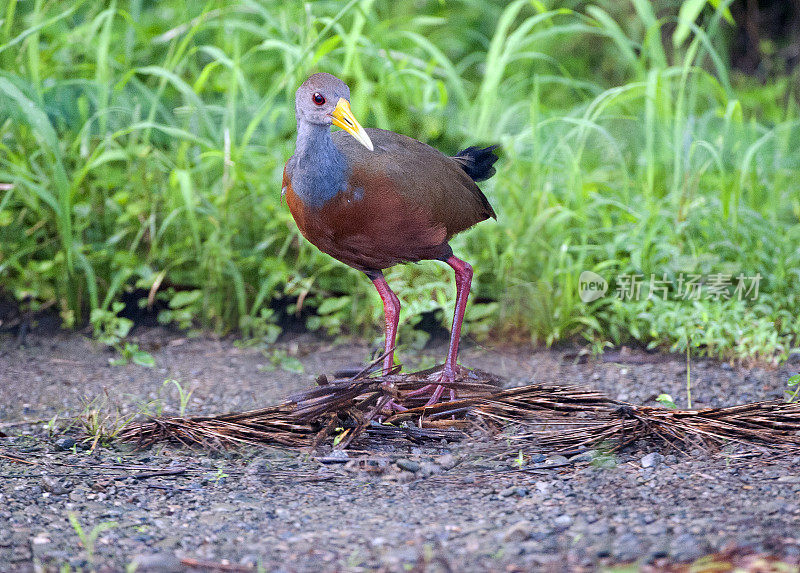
(88, 540)
(666, 401)
(111, 329)
(102, 420)
(184, 395)
(793, 385)
(280, 358)
(219, 476)
(130, 352)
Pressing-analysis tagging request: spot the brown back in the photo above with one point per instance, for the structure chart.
(425, 178)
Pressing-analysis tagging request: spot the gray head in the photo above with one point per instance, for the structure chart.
(324, 99)
(317, 97)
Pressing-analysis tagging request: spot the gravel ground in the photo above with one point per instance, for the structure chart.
(395, 507)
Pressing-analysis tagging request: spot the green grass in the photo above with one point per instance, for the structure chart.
(142, 144)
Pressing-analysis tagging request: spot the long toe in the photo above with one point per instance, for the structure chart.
(420, 391)
(437, 393)
(393, 406)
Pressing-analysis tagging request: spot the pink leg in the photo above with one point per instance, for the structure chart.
(391, 310)
(463, 283)
(463, 272)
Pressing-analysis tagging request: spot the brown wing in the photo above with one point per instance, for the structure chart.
(422, 175)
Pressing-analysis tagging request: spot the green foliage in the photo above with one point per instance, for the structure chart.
(793, 385)
(279, 358)
(142, 143)
(110, 329)
(89, 540)
(184, 395)
(102, 420)
(666, 401)
(130, 352)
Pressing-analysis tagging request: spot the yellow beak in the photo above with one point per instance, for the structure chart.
(344, 118)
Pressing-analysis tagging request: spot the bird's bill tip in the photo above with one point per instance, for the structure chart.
(344, 118)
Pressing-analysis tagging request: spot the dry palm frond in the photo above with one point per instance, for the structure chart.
(546, 417)
(772, 424)
(269, 426)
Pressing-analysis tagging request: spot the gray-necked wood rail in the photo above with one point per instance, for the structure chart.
(379, 198)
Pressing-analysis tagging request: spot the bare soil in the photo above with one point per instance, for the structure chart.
(459, 506)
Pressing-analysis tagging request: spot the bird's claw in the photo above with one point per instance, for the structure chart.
(446, 376)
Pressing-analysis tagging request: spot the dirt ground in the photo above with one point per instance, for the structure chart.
(458, 506)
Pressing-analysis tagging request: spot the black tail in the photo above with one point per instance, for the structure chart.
(478, 162)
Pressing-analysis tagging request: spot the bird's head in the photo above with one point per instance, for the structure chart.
(324, 99)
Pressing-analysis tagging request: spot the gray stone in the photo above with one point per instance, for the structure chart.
(20, 553)
(627, 547)
(651, 460)
(40, 546)
(447, 461)
(429, 469)
(562, 521)
(54, 486)
(582, 457)
(687, 547)
(408, 465)
(338, 455)
(65, 444)
(518, 532)
(157, 563)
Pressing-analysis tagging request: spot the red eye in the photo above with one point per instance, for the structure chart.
(318, 98)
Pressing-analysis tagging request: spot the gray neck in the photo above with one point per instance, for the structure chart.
(320, 170)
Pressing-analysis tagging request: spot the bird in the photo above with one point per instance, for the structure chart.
(373, 199)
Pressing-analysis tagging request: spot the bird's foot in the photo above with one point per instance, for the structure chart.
(447, 375)
(393, 406)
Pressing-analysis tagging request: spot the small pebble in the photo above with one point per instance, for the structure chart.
(651, 460)
(587, 456)
(508, 492)
(408, 465)
(627, 547)
(338, 455)
(65, 444)
(562, 521)
(157, 563)
(520, 531)
(55, 486)
(447, 461)
(686, 547)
